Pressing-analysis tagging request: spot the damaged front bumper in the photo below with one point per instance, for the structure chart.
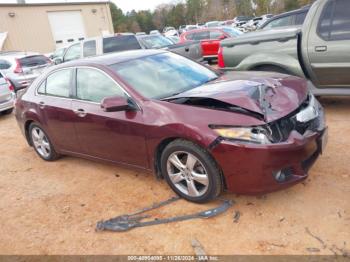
(254, 169)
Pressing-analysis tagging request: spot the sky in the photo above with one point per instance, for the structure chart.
(125, 5)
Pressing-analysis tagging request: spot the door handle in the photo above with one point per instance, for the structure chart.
(80, 112)
(41, 105)
(321, 48)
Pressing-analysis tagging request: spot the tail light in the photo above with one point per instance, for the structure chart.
(18, 68)
(11, 87)
(221, 62)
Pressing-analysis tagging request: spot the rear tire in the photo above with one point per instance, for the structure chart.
(41, 143)
(191, 171)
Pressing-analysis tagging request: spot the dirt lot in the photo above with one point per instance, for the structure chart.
(52, 208)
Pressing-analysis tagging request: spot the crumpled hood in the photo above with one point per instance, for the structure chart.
(271, 95)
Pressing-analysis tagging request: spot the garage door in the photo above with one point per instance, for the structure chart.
(67, 27)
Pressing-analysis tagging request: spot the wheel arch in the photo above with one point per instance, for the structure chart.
(166, 141)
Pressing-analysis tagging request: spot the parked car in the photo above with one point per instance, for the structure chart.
(190, 49)
(240, 20)
(21, 68)
(57, 56)
(128, 41)
(292, 18)
(212, 24)
(7, 95)
(137, 108)
(170, 31)
(174, 39)
(319, 51)
(210, 39)
(154, 32)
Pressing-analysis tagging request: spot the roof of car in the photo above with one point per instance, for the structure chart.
(114, 58)
(17, 54)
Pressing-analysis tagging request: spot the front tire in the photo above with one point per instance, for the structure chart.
(191, 171)
(41, 143)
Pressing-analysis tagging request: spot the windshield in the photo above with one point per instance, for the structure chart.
(163, 75)
(231, 31)
(155, 41)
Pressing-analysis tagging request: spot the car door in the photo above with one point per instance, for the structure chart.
(329, 46)
(113, 136)
(54, 103)
(204, 37)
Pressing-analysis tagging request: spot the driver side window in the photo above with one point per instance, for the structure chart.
(94, 86)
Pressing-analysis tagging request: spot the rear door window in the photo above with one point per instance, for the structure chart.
(89, 48)
(335, 21)
(58, 83)
(120, 43)
(33, 61)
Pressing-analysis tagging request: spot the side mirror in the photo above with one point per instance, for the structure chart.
(222, 37)
(116, 104)
(58, 60)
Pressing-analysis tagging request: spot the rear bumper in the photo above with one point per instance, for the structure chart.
(250, 169)
(5, 105)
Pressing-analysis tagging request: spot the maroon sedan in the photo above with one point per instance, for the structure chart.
(203, 131)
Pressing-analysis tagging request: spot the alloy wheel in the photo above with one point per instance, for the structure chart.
(188, 174)
(40, 142)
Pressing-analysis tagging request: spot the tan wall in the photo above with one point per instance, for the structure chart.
(30, 29)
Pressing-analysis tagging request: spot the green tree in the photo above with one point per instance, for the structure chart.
(118, 18)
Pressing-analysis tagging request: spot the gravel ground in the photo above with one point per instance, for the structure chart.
(52, 208)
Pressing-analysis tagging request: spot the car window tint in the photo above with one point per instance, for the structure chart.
(190, 36)
(324, 23)
(279, 22)
(300, 18)
(93, 85)
(72, 53)
(4, 65)
(201, 35)
(58, 83)
(215, 34)
(120, 43)
(89, 48)
(33, 61)
(341, 21)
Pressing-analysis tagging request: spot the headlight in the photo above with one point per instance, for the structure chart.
(255, 135)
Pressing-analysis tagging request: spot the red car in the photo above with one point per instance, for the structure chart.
(202, 131)
(210, 39)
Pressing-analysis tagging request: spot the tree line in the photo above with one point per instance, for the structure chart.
(196, 11)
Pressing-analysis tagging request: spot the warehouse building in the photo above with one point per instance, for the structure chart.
(45, 27)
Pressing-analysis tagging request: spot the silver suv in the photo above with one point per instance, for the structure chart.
(21, 68)
(7, 96)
